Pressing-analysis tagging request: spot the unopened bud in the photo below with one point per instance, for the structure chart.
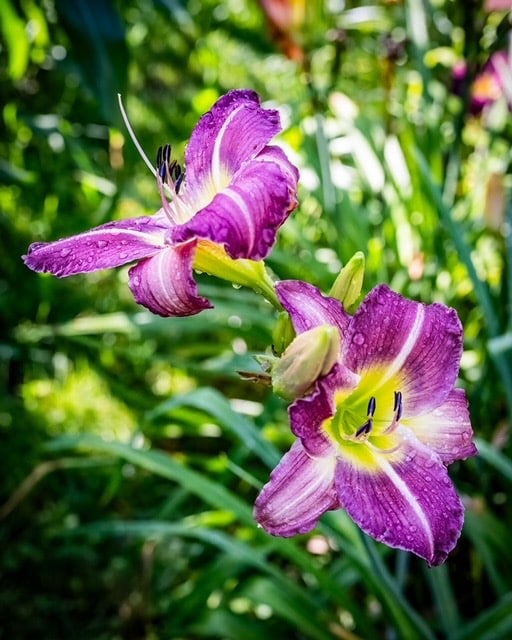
(348, 284)
(310, 356)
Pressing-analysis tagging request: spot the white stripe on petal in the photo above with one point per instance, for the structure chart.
(248, 218)
(396, 365)
(217, 171)
(409, 497)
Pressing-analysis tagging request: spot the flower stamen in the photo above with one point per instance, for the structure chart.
(169, 174)
(398, 409)
(366, 428)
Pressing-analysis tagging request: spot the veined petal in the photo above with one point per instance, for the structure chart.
(300, 490)
(165, 285)
(245, 216)
(407, 502)
(415, 346)
(309, 308)
(234, 131)
(447, 429)
(104, 247)
(272, 153)
(308, 414)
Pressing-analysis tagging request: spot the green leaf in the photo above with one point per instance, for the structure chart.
(215, 404)
(494, 624)
(15, 35)
(494, 458)
(99, 47)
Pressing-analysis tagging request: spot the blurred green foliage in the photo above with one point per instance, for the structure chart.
(132, 451)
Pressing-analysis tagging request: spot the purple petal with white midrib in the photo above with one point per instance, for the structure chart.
(109, 245)
(165, 285)
(420, 344)
(246, 216)
(233, 132)
(300, 490)
(410, 504)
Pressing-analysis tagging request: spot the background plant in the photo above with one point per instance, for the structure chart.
(132, 451)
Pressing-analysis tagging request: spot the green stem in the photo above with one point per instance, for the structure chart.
(410, 624)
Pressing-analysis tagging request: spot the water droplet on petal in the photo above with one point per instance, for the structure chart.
(123, 255)
(358, 339)
(65, 252)
(101, 243)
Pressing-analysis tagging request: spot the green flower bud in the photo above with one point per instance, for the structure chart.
(310, 356)
(348, 284)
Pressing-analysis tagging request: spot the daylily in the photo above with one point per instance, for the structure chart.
(375, 433)
(222, 218)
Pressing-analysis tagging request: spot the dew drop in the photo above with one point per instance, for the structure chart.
(358, 339)
(65, 252)
(413, 528)
(123, 255)
(101, 243)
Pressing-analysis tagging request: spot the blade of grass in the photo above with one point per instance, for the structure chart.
(443, 596)
(456, 231)
(494, 624)
(297, 605)
(212, 493)
(215, 404)
(494, 458)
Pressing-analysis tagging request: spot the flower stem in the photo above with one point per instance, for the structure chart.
(212, 258)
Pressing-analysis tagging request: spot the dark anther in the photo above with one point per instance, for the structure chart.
(397, 406)
(163, 157)
(372, 405)
(166, 153)
(178, 182)
(175, 170)
(365, 428)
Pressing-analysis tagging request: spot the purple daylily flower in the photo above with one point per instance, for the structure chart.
(375, 434)
(237, 192)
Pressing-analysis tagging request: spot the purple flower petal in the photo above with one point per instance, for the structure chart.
(447, 429)
(308, 414)
(418, 346)
(309, 308)
(164, 282)
(408, 504)
(234, 131)
(109, 245)
(300, 490)
(246, 215)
